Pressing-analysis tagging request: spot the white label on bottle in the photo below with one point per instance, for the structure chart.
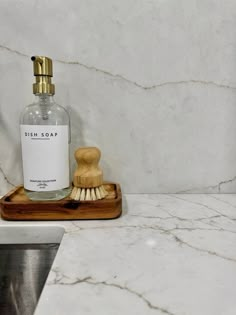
(45, 155)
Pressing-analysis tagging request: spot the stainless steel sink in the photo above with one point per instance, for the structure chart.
(26, 256)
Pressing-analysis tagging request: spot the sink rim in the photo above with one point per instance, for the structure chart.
(31, 234)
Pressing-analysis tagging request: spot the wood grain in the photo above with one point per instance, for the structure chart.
(16, 206)
(88, 173)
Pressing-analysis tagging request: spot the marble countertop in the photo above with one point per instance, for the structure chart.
(167, 254)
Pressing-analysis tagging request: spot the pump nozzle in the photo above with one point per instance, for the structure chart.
(43, 73)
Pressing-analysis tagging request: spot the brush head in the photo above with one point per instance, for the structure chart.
(88, 177)
(88, 194)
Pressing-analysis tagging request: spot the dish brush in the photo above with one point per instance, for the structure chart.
(88, 177)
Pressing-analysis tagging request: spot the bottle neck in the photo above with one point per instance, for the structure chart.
(44, 99)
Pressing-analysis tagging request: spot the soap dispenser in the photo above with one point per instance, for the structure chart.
(45, 138)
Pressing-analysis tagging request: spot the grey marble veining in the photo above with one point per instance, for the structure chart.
(152, 83)
(167, 254)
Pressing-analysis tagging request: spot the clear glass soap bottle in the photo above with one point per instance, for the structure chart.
(45, 138)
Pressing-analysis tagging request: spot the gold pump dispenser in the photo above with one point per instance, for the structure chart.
(43, 73)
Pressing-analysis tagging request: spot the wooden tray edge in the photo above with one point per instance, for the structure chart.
(76, 210)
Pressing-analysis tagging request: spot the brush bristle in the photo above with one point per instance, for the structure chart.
(88, 194)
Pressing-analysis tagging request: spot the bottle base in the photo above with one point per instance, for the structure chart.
(48, 195)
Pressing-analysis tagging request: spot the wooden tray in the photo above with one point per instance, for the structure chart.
(17, 206)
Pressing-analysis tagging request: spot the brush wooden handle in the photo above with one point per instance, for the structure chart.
(88, 173)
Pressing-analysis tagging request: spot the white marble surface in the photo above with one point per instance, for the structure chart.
(167, 254)
(153, 83)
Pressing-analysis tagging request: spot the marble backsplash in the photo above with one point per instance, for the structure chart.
(152, 83)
